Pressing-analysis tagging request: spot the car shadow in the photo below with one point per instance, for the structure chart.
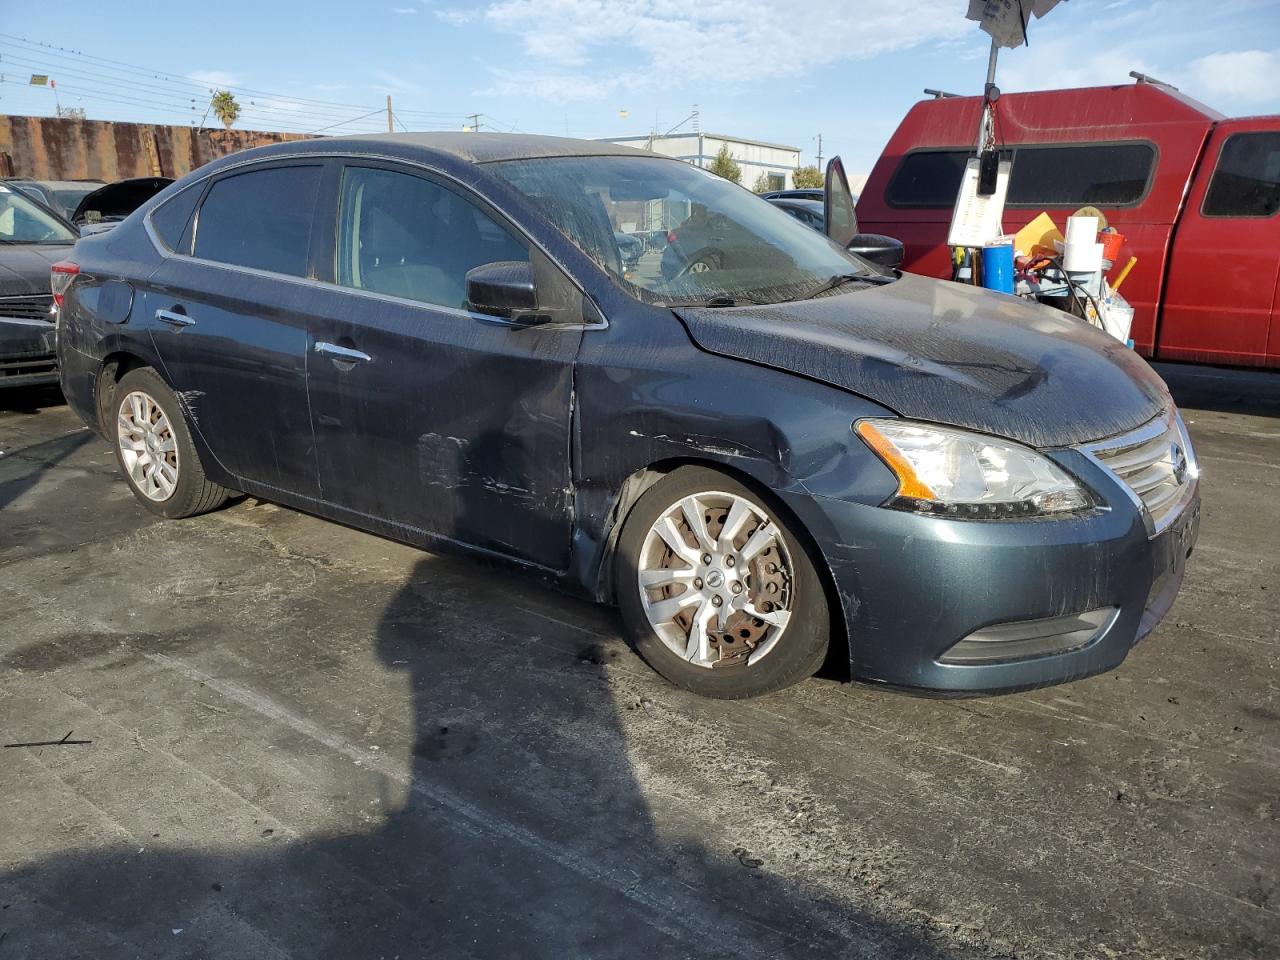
(517, 826)
(1225, 389)
(22, 467)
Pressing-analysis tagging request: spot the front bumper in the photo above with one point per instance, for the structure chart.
(911, 586)
(27, 353)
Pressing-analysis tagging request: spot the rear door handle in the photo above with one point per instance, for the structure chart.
(342, 353)
(174, 319)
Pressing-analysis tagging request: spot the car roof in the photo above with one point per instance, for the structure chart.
(488, 147)
(59, 184)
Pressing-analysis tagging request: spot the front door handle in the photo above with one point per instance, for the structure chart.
(174, 319)
(346, 354)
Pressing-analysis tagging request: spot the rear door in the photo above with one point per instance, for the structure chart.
(227, 316)
(428, 415)
(1220, 296)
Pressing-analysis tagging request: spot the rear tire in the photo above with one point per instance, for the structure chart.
(759, 603)
(154, 449)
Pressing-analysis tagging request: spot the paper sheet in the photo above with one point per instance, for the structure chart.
(975, 221)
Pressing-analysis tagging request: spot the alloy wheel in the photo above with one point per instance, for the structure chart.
(148, 447)
(716, 580)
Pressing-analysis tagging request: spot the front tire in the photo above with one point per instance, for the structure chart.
(717, 591)
(155, 452)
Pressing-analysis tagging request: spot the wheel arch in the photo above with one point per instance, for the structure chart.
(111, 371)
(640, 481)
(123, 360)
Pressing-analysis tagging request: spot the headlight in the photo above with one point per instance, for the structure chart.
(960, 474)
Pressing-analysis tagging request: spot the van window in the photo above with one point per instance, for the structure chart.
(260, 219)
(1246, 181)
(927, 178)
(1068, 175)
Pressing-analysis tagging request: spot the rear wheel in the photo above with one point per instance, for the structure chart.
(155, 451)
(717, 592)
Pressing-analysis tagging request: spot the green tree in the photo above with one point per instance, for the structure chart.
(808, 177)
(762, 184)
(725, 166)
(225, 107)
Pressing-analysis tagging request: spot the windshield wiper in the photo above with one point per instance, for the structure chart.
(732, 301)
(832, 283)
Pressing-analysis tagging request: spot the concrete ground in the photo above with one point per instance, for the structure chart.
(308, 742)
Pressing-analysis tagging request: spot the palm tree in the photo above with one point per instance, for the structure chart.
(226, 108)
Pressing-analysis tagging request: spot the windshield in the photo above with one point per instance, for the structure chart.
(22, 221)
(699, 239)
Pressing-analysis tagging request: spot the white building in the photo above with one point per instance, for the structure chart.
(776, 161)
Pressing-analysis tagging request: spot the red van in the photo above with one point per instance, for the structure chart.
(1195, 194)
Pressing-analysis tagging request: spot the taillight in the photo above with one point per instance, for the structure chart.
(671, 236)
(60, 276)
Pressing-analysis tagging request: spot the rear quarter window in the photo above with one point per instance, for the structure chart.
(1066, 175)
(170, 219)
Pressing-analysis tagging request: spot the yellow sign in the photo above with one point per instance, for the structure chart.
(39, 80)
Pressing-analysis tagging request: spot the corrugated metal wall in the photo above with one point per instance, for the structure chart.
(50, 148)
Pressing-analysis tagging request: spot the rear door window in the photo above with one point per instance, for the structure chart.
(1246, 180)
(1070, 175)
(407, 236)
(261, 219)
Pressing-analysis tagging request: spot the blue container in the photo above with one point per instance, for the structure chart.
(997, 267)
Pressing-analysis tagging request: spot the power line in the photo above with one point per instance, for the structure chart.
(293, 110)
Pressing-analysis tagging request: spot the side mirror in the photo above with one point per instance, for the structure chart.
(878, 249)
(504, 289)
(839, 215)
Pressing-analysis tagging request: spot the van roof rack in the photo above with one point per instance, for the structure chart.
(1143, 78)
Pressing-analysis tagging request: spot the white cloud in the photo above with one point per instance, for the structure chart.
(455, 17)
(217, 79)
(730, 42)
(1243, 76)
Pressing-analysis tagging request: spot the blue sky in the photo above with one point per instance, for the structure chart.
(848, 70)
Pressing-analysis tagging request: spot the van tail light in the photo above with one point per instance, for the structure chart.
(671, 236)
(60, 276)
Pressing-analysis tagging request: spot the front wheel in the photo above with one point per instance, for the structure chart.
(717, 592)
(155, 451)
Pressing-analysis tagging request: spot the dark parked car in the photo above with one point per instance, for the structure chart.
(31, 238)
(630, 248)
(109, 204)
(798, 193)
(60, 195)
(876, 247)
(431, 336)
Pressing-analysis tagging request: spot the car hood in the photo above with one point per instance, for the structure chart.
(117, 200)
(24, 267)
(948, 353)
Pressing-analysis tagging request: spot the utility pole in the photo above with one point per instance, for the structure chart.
(475, 123)
(391, 127)
(819, 153)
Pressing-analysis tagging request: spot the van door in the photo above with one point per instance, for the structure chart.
(1221, 289)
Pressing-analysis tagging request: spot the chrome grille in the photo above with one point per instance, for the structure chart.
(27, 308)
(1155, 463)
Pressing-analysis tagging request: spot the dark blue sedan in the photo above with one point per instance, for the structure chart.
(437, 338)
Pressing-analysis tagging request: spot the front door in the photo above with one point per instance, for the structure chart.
(226, 325)
(1219, 297)
(428, 415)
